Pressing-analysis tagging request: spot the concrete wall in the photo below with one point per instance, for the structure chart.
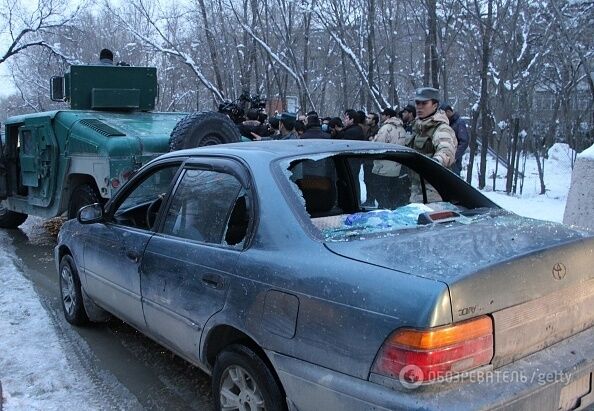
(579, 209)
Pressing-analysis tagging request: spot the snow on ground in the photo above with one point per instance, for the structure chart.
(34, 370)
(557, 176)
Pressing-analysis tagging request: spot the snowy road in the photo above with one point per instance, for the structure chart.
(46, 364)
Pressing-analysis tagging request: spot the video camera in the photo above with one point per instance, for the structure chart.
(252, 102)
(236, 109)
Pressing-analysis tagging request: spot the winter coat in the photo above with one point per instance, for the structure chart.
(352, 132)
(459, 127)
(372, 132)
(434, 137)
(248, 127)
(390, 132)
(314, 132)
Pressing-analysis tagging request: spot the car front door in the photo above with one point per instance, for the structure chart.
(113, 250)
(185, 271)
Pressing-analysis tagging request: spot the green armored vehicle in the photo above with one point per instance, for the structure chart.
(55, 162)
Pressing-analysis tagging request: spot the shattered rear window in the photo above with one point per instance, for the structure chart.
(349, 196)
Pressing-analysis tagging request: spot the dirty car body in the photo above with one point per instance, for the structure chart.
(445, 303)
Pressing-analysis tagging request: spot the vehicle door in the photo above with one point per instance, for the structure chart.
(3, 167)
(113, 250)
(38, 153)
(186, 268)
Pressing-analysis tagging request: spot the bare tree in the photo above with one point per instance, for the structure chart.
(27, 25)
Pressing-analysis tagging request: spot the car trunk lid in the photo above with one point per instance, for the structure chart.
(535, 278)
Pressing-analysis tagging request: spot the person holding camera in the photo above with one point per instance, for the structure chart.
(252, 125)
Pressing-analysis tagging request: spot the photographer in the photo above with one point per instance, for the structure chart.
(253, 125)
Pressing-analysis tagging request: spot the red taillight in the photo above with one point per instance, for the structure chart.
(115, 183)
(425, 355)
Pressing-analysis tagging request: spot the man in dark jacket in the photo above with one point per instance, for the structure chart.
(459, 126)
(106, 57)
(352, 130)
(253, 126)
(313, 128)
(335, 125)
(408, 115)
(372, 121)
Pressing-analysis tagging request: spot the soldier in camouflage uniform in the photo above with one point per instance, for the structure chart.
(433, 137)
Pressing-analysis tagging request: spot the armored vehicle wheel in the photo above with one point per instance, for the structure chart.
(82, 195)
(203, 129)
(11, 219)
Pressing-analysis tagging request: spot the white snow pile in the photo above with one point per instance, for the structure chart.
(587, 153)
(34, 370)
(557, 177)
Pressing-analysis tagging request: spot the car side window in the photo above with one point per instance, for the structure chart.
(140, 207)
(208, 206)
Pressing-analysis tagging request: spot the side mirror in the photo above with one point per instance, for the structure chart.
(57, 88)
(90, 214)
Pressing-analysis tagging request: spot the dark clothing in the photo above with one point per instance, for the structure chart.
(372, 131)
(291, 135)
(459, 126)
(314, 132)
(352, 132)
(253, 126)
(408, 127)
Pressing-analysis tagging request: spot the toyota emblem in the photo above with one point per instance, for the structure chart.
(559, 271)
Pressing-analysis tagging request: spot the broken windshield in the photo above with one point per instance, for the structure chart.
(346, 196)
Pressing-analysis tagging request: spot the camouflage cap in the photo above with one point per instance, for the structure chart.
(427, 93)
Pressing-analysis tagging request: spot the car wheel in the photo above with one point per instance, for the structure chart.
(11, 219)
(203, 129)
(70, 291)
(81, 196)
(242, 381)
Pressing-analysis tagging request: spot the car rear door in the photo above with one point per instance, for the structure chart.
(186, 267)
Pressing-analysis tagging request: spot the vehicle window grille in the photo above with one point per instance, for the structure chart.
(101, 127)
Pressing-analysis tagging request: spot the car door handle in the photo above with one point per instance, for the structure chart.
(213, 280)
(132, 255)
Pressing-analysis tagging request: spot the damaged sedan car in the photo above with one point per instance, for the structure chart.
(277, 270)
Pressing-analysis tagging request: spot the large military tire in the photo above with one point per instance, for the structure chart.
(203, 129)
(82, 195)
(11, 219)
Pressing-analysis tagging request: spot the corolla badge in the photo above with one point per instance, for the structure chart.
(559, 271)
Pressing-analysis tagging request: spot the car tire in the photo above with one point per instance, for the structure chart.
(82, 195)
(258, 386)
(71, 293)
(203, 129)
(11, 219)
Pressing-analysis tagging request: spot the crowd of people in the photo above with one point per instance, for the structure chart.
(432, 128)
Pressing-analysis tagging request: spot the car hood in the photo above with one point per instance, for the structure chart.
(491, 263)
